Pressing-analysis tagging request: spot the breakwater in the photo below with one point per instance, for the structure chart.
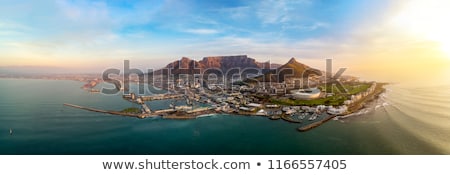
(315, 124)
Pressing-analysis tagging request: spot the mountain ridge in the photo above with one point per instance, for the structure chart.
(186, 65)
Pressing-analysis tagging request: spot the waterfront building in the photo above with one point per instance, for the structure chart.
(256, 105)
(338, 110)
(272, 106)
(261, 112)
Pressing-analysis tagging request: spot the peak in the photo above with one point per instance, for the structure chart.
(185, 59)
(292, 60)
(225, 57)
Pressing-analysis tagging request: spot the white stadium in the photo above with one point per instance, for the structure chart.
(305, 94)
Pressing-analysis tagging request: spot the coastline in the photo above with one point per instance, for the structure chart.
(362, 104)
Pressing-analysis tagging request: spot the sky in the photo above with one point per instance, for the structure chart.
(374, 39)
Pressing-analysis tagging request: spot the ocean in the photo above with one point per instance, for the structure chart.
(405, 120)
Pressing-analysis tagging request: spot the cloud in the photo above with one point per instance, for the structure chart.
(280, 11)
(236, 13)
(85, 12)
(13, 26)
(311, 27)
(201, 31)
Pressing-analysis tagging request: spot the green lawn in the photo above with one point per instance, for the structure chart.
(334, 100)
(351, 88)
(356, 88)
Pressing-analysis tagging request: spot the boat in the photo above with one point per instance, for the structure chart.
(205, 115)
(290, 111)
(302, 116)
(313, 117)
(94, 91)
(274, 117)
(10, 131)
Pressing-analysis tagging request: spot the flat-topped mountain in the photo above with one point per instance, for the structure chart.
(224, 63)
(228, 62)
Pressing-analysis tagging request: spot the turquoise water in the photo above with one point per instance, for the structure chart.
(411, 121)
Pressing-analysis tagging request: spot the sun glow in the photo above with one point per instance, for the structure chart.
(427, 20)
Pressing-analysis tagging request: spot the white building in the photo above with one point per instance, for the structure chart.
(337, 111)
(256, 105)
(261, 112)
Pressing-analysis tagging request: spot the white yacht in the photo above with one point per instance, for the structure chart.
(313, 117)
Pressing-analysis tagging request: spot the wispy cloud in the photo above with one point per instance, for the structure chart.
(310, 27)
(8, 25)
(201, 31)
(236, 13)
(281, 11)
